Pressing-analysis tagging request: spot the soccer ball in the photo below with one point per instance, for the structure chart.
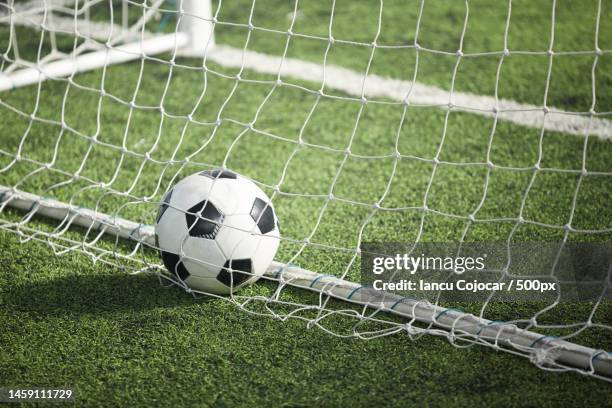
(216, 231)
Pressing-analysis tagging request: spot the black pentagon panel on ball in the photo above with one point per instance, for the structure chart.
(241, 271)
(164, 205)
(173, 263)
(219, 173)
(263, 214)
(204, 220)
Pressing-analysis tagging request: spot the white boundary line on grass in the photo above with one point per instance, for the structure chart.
(352, 83)
(345, 80)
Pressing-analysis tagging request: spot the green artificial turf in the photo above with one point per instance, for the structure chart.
(126, 340)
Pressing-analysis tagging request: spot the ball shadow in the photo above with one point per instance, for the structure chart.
(97, 294)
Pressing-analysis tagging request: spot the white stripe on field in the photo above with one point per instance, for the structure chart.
(68, 25)
(351, 82)
(31, 14)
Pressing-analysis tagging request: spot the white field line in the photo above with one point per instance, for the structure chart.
(351, 82)
(68, 25)
(60, 19)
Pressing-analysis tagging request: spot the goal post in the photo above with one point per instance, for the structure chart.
(192, 38)
(196, 22)
(357, 134)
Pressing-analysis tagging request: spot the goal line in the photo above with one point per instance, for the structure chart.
(545, 351)
(413, 93)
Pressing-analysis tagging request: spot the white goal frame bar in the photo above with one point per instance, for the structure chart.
(546, 351)
(193, 38)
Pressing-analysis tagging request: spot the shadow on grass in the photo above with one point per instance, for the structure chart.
(95, 294)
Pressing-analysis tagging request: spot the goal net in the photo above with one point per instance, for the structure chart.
(365, 122)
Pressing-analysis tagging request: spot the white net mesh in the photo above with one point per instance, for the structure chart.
(364, 122)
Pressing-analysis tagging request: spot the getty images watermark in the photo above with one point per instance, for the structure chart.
(548, 272)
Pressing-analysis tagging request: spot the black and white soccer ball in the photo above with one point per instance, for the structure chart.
(216, 231)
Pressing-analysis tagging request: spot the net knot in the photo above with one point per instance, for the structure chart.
(544, 356)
